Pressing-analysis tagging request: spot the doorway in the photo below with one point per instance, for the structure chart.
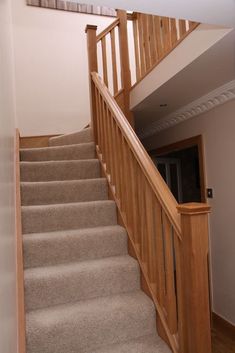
(182, 167)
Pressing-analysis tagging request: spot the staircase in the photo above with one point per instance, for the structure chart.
(82, 289)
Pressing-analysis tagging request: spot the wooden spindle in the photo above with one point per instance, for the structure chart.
(182, 27)
(137, 49)
(173, 32)
(158, 31)
(166, 33)
(114, 61)
(150, 232)
(104, 60)
(170, 298)
(141, 41)
(114, 176)
(125, 63)
(152, 38)
(97, 109)
(146, 41)
(160, 274)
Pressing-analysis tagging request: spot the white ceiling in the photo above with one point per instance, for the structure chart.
(220, 12)
(209, 71)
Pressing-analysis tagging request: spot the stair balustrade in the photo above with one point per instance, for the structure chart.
(170, 241)
(132, 46)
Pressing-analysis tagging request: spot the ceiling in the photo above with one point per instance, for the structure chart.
(220, 12)
(209, 71)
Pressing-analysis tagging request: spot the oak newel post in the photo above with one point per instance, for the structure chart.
(92, 67)
(195, 306)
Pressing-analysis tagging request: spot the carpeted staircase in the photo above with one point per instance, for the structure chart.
(82, 289)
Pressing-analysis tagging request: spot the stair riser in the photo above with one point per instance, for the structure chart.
(38, 219)
(86, 151)
(52, 171)
(63, 192)
(81, 246)
(81, 282)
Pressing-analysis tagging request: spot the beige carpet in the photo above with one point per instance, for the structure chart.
(82, 289)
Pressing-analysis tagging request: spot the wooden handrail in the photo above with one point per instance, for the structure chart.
(158, 185)
(108, 29)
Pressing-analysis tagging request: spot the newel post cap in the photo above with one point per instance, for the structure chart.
(92, 27)
(193, 208)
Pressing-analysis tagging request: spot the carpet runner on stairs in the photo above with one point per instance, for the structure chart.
(82, 289)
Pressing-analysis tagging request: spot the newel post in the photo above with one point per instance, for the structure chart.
(92, 67)
(195, 331)
(125, 63)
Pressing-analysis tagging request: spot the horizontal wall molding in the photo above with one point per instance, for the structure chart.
(73, 6)
(219, 96)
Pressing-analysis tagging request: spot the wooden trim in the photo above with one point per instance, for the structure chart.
(107, 30)
(19, 252)
(221, 324)
(166, 54)
(181, 145)
(35, 141)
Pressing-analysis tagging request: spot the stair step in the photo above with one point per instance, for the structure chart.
(68, 283)
(48, 218)
(82, 136)
(67, 191)
(85, 325)
(81, 151)
(146, 344)
(45, 249)
(59, 170)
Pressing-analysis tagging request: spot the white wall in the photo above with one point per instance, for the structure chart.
(52, 92)
(217, 127)
(8, 320)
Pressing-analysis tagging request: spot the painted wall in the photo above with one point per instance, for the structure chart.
(217, 127)
(8, 320)
(52, 92)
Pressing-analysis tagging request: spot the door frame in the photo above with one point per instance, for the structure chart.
(184, 144)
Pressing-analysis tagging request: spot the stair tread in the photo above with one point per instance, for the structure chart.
(71, 282)
(69, 205)
(60, 170)
(146, 344)
(68, 152)
(92, 323)
(54, 270)
(74, 245)
(63, 191)
(39, 218)
(57, 148)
